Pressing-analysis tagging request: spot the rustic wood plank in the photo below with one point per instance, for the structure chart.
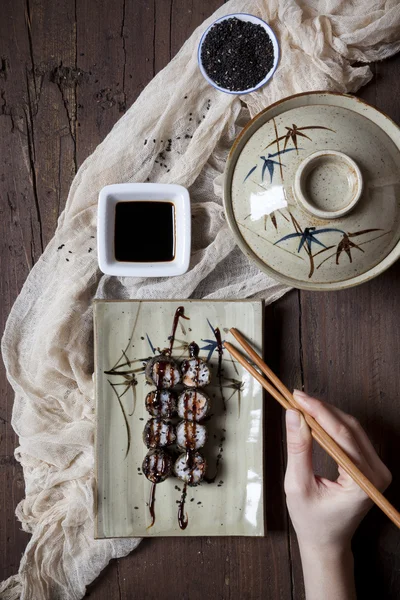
(51, 82)
(38, 152)
(101, 55)
(20, 246)
(350, 343)
(283, 355)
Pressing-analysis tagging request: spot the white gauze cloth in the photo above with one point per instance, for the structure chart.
(47, 345)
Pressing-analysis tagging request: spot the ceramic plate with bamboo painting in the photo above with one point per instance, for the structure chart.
(312, 191)
(229, 501)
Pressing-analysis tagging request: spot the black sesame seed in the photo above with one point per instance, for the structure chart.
(237, 54)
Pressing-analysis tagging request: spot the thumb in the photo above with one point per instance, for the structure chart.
(299, 471)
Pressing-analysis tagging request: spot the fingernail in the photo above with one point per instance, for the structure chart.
(293, 421)
(301, 396)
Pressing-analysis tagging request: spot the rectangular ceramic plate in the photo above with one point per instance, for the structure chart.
(126, 331)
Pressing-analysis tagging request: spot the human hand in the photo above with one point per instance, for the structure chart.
(325, 514)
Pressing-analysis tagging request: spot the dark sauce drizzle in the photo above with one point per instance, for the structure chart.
(151, 504)
(153, 433)
(190, 436)
(194, 404)
(156, 404)
(179, 313)
(162, 366)
(182, 518)
(156, 400)
(158, 476)
(193, 350)
(193, 353)
(156, 436)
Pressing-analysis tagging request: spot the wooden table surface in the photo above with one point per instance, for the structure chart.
(68, 71)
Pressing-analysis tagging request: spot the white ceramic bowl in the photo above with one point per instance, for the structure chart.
(130, 192)
(256, 21)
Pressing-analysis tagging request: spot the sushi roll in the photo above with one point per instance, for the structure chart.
(157, 465)
(190, 467)
(193, 405)
(195, 373)
(190, 435)
(158, 433)
(163, 371)
(161, 403)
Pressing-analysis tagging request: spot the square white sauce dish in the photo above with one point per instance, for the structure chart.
(144, 229)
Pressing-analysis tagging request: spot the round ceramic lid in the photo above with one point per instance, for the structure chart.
(312, 191)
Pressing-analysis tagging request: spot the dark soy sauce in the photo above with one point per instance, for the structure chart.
(144, 231)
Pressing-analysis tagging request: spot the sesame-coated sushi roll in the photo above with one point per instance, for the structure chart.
(161, 403)
(195, 372)
(157, 465)
(190, 435)
(193, 405)
(163, 371)
(158, 433)
(190, 467)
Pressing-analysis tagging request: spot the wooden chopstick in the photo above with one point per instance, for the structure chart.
(286, 399)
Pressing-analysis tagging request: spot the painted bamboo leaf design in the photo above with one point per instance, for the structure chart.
(293, 132)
